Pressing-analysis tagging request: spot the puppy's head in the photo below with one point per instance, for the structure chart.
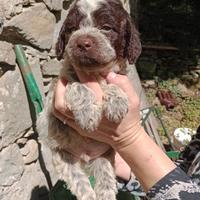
(97, 33)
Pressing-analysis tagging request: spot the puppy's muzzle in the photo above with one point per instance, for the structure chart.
(85, 44)
(89, 49)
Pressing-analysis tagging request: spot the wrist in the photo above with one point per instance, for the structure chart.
(143, 154)
(129, 137)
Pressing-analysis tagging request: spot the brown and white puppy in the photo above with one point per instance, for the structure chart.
(97, 32)
(96, 37)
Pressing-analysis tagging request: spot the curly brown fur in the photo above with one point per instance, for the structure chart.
(96, 37)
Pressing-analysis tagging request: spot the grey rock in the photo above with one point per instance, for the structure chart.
(29, 133)
(47, 157)
(25, 150)
(15, 115)
(22, 141)
(1, 24)
(28, 187)
(183, 89)
(7, 54)
(35, 25)
(54, 4)
(61, 16)
(150, 84)
(12, 166)
(30, 51)
(51, 68)
(47, 83)
(30, 151)
(7, 57)
(28, 2)
(59, 25)
(10, 8)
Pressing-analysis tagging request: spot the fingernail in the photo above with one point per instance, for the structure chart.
(111, 75)
(64, 81)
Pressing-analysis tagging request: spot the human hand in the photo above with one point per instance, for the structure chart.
(117, 135)
(122, 169)
(128, 137)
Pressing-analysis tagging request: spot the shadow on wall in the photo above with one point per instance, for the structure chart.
(40, 193)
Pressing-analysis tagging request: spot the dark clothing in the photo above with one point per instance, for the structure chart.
(178, 184)
(175, 186)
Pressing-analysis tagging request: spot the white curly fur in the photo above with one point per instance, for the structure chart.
(87, 7)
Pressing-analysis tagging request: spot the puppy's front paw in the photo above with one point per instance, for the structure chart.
(88, 117)
(82, 102)
(115, 105)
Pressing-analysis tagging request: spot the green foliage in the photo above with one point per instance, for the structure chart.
(169, 85)
(191, 112)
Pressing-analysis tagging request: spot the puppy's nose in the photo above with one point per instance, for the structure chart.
(84, 43)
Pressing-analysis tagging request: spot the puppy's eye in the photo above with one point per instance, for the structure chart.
(73, 29)
(106, 27)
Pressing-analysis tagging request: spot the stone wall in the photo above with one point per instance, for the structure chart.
(26, 171)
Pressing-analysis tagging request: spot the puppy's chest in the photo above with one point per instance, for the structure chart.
(82, 148)
(88, 113)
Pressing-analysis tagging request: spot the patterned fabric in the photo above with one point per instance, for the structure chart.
(190, 152)
(194, 170)
(190, 158)
(178, 184)
(132, 186)
(175, 186)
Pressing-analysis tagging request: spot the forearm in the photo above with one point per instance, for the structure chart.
(148, 162)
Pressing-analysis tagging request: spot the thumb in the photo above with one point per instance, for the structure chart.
(91, 82)
(120, 80)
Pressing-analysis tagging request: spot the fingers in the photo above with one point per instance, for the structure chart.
(59, 109)
(62, 117)
(97, 135)
(124, 83)
(122, 169)
(120, 80)
(59, 104)
(71, 123)
(91, 82)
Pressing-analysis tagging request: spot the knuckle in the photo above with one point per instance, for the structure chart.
(57, 107)
(134, 103)
(54, 111)
(124, 80)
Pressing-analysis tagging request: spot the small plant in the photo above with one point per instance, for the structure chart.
(191, 112)
(169, 85)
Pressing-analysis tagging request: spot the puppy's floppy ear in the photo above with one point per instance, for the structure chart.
(60, 45)
(70, 24)
(131, 42)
